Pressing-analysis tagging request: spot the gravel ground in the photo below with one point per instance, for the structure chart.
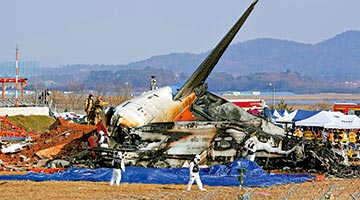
(336, 188)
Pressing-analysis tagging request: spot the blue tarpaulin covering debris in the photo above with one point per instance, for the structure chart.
(217, 175)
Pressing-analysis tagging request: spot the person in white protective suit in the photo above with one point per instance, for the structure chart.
(118, 166)
(103, 141)
(194, 173)
(251, 150)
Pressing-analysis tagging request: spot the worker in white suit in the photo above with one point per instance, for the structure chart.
(194, 173)
(118, 166)
(251, 150)
(103, 142)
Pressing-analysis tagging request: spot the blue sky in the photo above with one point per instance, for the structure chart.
(123, 31)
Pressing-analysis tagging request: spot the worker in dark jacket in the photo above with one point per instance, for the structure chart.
(194, 173)
(118, 166)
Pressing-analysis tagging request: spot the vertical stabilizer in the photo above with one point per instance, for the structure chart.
(203, 71)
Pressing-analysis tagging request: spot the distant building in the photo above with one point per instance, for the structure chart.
(27, 69)
(242, 93)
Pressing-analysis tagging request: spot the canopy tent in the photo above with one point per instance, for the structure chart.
(319, 119)
(303, 114)
(283, 112)
(276, 114)
(287, 118)
(296, 115)
(345, 122)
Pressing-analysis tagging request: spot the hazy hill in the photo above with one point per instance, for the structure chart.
(333, 60)
(336, 58)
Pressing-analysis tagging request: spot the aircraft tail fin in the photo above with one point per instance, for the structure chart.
(203, 71)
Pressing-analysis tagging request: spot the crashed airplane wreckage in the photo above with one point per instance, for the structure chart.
(154, 129)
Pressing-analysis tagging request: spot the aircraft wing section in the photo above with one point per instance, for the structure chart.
(203, 71)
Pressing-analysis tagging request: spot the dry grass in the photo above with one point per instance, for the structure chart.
(74, 102)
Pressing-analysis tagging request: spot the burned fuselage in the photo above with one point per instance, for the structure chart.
(219, 135)
(173, 144)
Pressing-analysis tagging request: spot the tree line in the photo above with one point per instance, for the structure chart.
(122, 82)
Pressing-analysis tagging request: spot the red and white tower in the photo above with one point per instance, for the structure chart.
(17, 77)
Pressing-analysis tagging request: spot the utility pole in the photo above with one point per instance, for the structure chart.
(273, 95)
(128, 88)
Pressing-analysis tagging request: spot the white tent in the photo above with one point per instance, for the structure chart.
(285, 112)
(287, 118)
(319, 119)
(345, 121)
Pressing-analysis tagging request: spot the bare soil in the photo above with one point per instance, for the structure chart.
(337, 189)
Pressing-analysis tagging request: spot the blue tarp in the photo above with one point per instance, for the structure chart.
(217, 175)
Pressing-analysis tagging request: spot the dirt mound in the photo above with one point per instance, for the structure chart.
(49, 144)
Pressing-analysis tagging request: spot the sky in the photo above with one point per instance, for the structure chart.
(61, 32)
